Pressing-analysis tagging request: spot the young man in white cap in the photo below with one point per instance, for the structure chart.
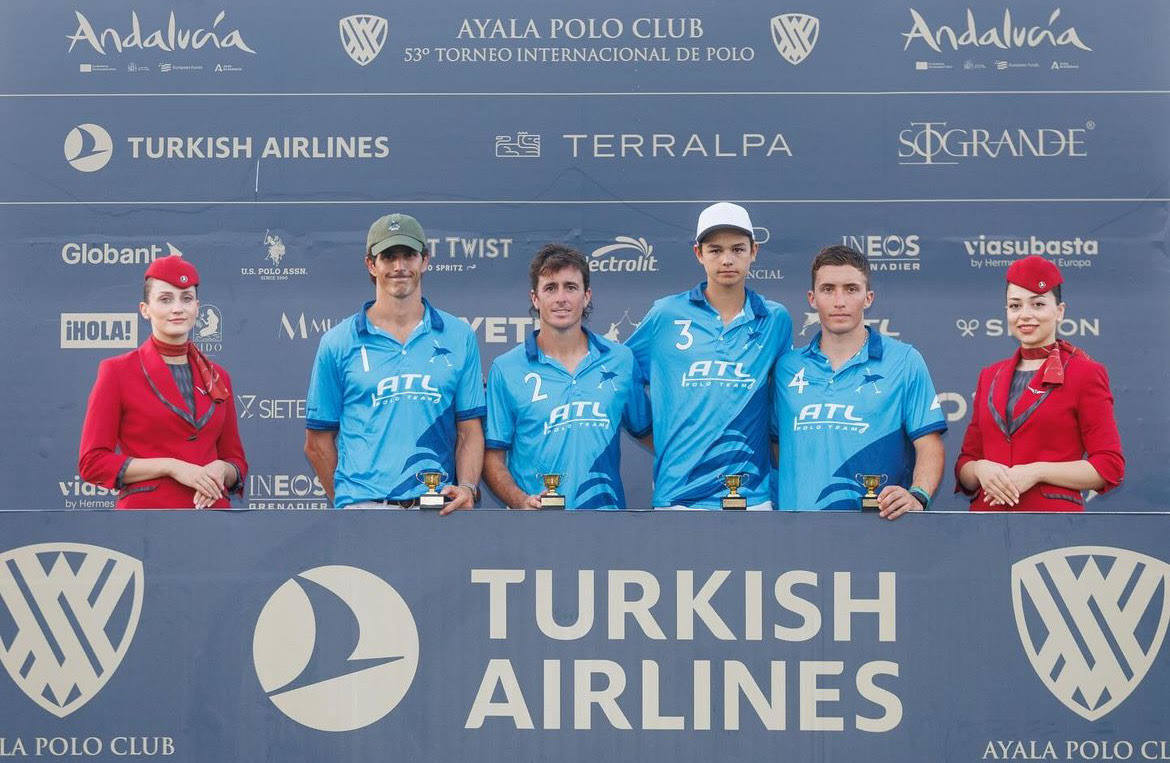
(706, 355)
(397, 388)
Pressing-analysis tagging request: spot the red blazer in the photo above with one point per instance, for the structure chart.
(1054, 422)
(136, 411)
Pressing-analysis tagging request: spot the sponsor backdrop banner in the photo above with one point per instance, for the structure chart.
(260, 140)
(315, 636)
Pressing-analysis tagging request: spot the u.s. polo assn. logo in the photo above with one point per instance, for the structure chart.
(362, 36)
(1091, 619)
(68, 612)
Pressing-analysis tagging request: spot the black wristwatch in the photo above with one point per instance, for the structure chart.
(920, 495)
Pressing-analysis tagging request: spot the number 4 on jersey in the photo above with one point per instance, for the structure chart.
(798, 381)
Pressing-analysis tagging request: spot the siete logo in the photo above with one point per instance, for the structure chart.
(280, 408)
(1006, 37)
(1091, 620)
(74, 253)
(65, 641)
(171, 38)
(887, 252)
(626, 254)
(579, 413)
(935, 144)
(101, 331)
(682, 146)
(314, 678)
(88, 147)
(719, 373)
(362, 36)
(795, 35)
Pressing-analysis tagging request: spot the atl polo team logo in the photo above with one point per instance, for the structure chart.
(1091, 619)
(795, 35)
(335, 648)
(362, 36)
(68, 612)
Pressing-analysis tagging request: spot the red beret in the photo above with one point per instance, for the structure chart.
(1034, 273)
(174, 270)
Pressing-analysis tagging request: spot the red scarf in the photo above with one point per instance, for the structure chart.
(1052, 370)
(199, 364)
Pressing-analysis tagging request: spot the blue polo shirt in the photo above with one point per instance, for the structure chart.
(553, 421)
(861, 419)
(710, 395)
(393, 405)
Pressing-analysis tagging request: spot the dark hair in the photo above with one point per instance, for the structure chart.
(1055, 291)
(839, 254)
(553, 258)
(150, 282)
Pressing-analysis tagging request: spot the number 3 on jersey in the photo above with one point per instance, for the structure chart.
(537, 395)
(685, 338)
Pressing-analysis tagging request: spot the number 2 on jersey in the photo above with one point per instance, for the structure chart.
(537, 395)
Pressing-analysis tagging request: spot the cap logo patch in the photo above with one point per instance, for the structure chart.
(182, 279)
(1041, 284)
(394, 225)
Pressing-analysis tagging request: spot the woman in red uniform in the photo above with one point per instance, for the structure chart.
(161, 423)
(1042, 427)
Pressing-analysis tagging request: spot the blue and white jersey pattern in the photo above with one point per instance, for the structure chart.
(394, 406)
(861, 419)
(553, 421)
(710, 395)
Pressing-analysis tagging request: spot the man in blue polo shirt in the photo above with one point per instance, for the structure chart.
(557, 403)
(854, 402)
(396, 388)
(706, 355)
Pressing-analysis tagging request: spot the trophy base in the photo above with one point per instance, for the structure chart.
(734, 503)
(869, 504)
(552, 501)
(431, 501)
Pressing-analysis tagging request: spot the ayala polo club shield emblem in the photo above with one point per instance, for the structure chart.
(68, 612)
(1091, 619)
(362, 36)
(795, 35)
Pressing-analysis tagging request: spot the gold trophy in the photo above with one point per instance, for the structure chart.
(550, 498)
(871, 482)
(431, 499)
(733, 501)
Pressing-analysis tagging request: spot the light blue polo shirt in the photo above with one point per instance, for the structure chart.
(553, 421)
(394, 406)
(710, 395)
(861, 419)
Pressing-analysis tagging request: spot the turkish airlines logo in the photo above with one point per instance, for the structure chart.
(1088, 623)
(335, 648)
(75, 609)
(795, 35)
(362, 36)
(88, 147)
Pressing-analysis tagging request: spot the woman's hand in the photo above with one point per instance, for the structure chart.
(997, 484)
(207, 481)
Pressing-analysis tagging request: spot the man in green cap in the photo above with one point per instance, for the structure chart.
(397, 388)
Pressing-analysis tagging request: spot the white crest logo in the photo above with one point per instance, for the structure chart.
(362, 36)
(1085, 620)
(795, 35)
(89, 599)
(312, 677)
(88, 147)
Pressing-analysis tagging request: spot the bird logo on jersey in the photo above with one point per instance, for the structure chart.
(870, 379)
(607, 376)
(441, 352)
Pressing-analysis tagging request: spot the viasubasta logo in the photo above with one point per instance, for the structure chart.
(625, 255)
(171, 37)
(938, 144)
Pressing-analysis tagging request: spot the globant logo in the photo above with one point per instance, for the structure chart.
(74, 253)
(936, 144)
(88, 147)
(99, 331)
(316, 676)
(171, 38)
(626, 255)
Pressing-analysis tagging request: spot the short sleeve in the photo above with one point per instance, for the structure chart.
(636, 416)
(501, 412)
(470, 402)
(922, 413)
(641, 343)
(324, 399)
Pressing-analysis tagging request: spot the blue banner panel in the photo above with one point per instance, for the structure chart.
(287, 636)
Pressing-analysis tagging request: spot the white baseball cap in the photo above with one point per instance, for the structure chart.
(724, 214)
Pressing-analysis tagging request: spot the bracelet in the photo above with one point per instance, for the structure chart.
(920, 495)
(474, 491)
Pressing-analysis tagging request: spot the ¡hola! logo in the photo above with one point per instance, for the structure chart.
(89, 598)
(335, 648)
(88, 147)
(1091, 663)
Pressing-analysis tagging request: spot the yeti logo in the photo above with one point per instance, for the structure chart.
(1091, 619)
